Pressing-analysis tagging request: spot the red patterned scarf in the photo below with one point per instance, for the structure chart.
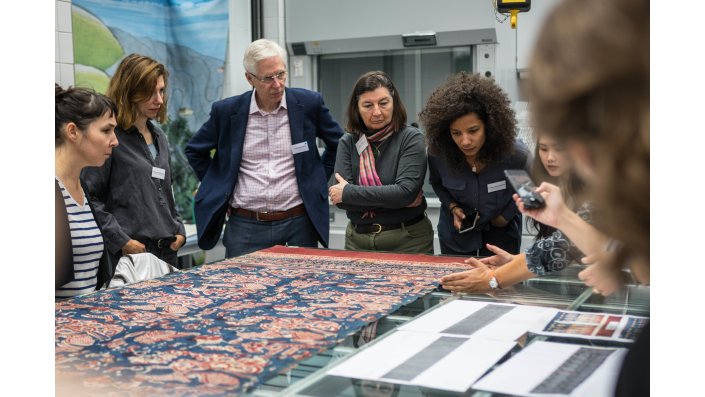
(368, 171)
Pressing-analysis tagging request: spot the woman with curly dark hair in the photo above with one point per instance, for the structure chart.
(471, 137)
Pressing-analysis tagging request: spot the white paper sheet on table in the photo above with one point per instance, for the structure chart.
(454, 371)
(508, 327)
(526, 370)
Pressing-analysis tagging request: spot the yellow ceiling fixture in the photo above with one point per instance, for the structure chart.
(513, 8)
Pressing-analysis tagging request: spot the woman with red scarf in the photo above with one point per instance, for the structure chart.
(379, 171)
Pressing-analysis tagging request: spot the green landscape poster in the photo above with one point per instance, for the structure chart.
(188, 37)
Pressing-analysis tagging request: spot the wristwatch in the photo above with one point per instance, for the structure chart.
(493, 282)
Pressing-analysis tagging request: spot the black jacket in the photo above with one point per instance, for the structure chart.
(127, 200)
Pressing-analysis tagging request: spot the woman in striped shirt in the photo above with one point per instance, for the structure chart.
(84, 136)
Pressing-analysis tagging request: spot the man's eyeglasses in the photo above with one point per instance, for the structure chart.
(281, 76)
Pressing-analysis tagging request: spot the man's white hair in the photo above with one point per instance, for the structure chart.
(259, 50)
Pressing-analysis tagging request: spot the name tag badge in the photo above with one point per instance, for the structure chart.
(299, 147)
(158, 173)
(361, 144)
(493, 187)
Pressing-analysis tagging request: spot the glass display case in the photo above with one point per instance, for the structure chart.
(561, 290)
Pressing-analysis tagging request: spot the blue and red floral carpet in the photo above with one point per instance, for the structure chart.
(226, 327)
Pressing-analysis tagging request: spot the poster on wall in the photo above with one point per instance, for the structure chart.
(188, 36)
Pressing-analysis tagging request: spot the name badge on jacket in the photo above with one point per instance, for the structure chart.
(361, 144)
(158, 173)
(299, 147)
(493, 187)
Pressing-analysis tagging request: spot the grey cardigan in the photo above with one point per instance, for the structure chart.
(401, 166)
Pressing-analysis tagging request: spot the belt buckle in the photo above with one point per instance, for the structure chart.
(379, 228)
(257, 216)
(159, 243)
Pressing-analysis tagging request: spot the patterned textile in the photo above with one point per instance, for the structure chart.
(225, 327)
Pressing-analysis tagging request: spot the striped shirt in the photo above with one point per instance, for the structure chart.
(267, 177)
(87, 244)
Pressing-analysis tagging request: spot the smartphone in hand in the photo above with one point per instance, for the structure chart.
(525, 188)
(470, 221)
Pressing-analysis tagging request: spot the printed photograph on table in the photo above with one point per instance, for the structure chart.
(570, 328)
(599, 326)
(576, 317)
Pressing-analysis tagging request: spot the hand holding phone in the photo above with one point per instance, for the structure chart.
(525, 188)
(470, 220)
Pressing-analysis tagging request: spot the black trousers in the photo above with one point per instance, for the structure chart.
(164, 253)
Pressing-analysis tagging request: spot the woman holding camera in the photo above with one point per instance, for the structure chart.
(471, 137)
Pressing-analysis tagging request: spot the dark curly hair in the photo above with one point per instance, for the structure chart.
(463, 94)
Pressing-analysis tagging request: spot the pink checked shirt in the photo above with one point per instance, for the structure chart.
(267, 177)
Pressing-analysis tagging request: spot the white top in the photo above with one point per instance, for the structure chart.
(87, 243)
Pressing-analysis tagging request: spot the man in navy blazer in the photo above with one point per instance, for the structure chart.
(266, 172)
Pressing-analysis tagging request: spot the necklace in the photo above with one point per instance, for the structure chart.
(474, 166)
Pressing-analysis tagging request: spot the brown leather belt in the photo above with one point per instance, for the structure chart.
(270, 216)
(377, 228)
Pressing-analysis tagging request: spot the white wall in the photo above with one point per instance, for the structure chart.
(63, 50)
(273, 21)
(239, 36)
(528, 28)
(341, 19)
(334, 21)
